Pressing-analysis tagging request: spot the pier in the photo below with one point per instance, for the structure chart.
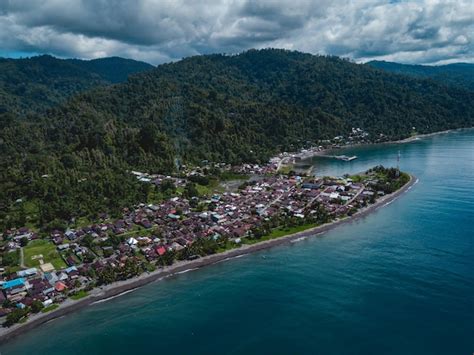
(340, 157)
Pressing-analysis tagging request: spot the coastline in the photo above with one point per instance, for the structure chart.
(420, 136)
(117, 288)
(401, 141)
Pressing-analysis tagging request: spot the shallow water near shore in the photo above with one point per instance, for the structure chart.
(399, 281)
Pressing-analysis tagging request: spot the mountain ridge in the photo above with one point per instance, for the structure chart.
(455, 74)
(234, 109)
(29, 85)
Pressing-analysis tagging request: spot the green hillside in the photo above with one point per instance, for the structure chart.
(34, 84)
(241, 108)
(458, 74)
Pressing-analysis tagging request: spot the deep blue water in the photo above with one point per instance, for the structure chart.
(400, 281)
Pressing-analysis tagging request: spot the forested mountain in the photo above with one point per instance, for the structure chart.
(112, 69)
(458, 74)
(34, 84)
(74, 159)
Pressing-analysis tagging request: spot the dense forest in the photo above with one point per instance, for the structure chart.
(73, 160)
(34, 84)
(457, 74)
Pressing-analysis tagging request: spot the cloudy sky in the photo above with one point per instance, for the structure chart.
(157, 31)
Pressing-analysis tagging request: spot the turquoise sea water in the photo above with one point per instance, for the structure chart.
(399, 281)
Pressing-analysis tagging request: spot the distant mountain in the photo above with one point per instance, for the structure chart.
(458, 74)
(240, 108)
(112, 69)
(35, 84)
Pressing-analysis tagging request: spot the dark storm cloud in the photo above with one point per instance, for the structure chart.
(422, 31)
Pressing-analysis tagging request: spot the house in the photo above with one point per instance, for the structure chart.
(71, 235)
(216, 217)
(57, 240)
(47, 303)
(70, 261)
(28, 272)
(311, 186)
(63, 247)
(146, 223)
(72, 272)
(161, 250)
(60, 286)
(15, 289)
(176, 246)
(37, 287)
(132, 241)
(62, 276)
(51, 277)
(48, 290)
(15, 283)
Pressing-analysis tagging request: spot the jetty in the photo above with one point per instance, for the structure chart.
(345, 157)
(340, 157)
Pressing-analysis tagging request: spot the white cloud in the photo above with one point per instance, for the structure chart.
(425, 31)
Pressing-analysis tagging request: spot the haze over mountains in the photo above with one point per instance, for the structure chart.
(241, 108)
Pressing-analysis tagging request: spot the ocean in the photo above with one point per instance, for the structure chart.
(399, 281)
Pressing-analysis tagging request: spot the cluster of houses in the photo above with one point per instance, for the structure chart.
(22, 288)
(157, 179)
(153, 230)
(16, 236)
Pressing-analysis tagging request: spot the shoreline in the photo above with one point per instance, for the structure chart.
(400, 141)
(426, 135)
(117, 288)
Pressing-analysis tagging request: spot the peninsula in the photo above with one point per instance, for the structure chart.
(80, 266)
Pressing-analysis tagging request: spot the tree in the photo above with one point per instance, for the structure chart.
(190, 190)
(167, 186)
(88, 241)
(24, 241)
(15, 316)
(11, 258)
(36, 306)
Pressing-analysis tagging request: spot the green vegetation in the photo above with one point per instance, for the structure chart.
(78, 295)
(457, 74)
(74, 160)
(388, 179)
(285, 169)
(11, 259)
(229, 175)
(16, 316)
(36, 306)
(277, 233)
(35, 84)
(280, 232)
(44, 248)
(50, 308)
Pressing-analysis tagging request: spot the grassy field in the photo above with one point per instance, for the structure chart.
(79, 295)
(280, 232)
(45, 248)
(285, 169)
(50, 308)
(205, 190)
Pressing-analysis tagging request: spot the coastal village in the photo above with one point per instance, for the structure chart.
(68, 264)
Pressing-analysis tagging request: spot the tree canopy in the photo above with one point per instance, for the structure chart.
(74, 159)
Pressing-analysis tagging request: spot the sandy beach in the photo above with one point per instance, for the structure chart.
(118, 288)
